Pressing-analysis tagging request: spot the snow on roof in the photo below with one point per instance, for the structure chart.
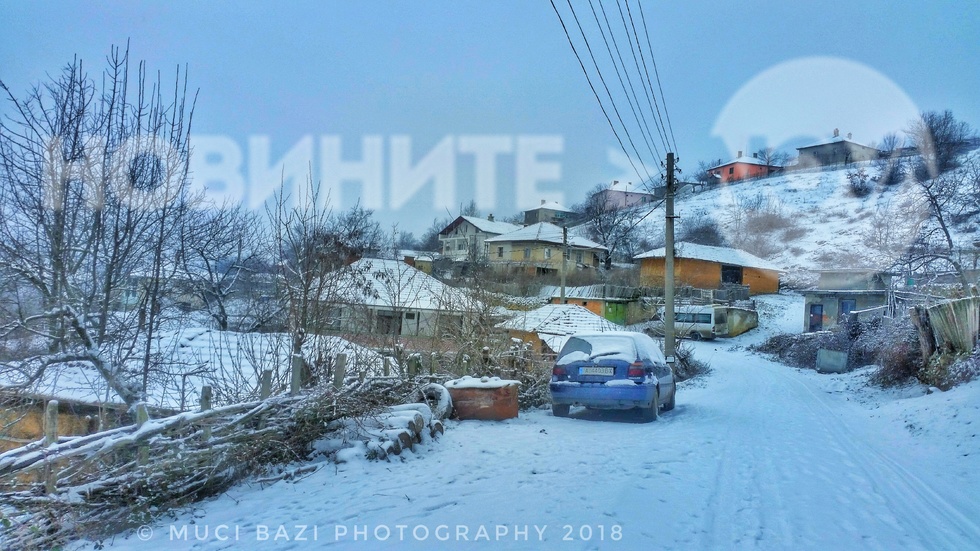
(744, 160)
(491, 226)
(546, 233)
(554, 323)
(835, 139)
(598, 291)
(481, 224)
(551, 205)
(627, 187)
(721, 255)
(394, 284)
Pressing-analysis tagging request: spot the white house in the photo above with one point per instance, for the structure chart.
(389, 297)
(463, 239)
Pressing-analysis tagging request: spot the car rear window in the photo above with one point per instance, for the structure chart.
(580, 349)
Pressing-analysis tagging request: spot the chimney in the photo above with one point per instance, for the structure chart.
(848, 135)
(739, 156)
(490, 217)
(542, 201)
(836, 133)
(755, 155)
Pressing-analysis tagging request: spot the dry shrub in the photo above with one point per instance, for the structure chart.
(686, 366)
(897, 364)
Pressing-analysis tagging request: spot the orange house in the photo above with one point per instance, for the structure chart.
(741, 168)
(706, 267)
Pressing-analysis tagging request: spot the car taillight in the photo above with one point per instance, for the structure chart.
(558, 371)
(636, 370)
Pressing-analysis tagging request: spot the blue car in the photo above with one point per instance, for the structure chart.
(613, 370)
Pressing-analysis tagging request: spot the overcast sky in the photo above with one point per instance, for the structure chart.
(735, 76)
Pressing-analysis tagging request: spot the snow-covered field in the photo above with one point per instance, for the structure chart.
(756, 455)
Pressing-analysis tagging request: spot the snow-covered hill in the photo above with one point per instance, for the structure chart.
(810, 219)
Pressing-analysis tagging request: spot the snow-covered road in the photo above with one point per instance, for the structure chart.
(756, 455)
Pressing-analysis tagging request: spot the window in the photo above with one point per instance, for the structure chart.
(731, 170)
(409, 315)
(527, 253)
(500, 252)
(585, 303)
(547, 253)
(578, 257)
(731, 274)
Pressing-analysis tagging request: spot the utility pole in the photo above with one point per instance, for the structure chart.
(564, 260)
(669, 264)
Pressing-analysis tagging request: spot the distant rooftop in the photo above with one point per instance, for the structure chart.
(545, 232)
(550, 205)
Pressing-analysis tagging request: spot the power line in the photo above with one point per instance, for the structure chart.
(651, 97)
(647, 135)
(596, 94)
(612, 100)
(606, 87)
(663, 98)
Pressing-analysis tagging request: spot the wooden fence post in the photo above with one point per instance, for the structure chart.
(206, 405)
(266, 389)
(297, 374)
(339, 371)
(142, 416)
(50, 438)
(387, 363)
(433, 362)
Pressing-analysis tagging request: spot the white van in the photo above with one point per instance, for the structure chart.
(698, 322)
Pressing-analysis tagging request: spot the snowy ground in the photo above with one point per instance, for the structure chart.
(756, 455)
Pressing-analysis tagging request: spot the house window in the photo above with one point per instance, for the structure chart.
(461, 246)
(731, 274)
(409, 315)
(547, 252)
(585, 303)
(578, 257)
(500, 252)
(527, 253)
(731, 170)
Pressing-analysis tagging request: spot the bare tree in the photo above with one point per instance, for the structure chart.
(889, 143)
(616, 228)
(220, 249)
(772, 157)
(91, 178)
(703, 174)
(314, 248)
(940, 139)
(945, 199)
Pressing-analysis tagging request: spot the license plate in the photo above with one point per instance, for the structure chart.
(608, 371)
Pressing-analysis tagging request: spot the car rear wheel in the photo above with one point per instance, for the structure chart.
(560, 410)
(673, 399)
(695, 336)
(651, 413)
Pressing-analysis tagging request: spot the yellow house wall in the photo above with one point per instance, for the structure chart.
(29, 425)
(706, 275)
(514, 253)
(594, 305)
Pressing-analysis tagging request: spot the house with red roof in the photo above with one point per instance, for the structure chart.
(741, 168)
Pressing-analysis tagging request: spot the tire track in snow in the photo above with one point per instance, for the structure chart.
(921, 510)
